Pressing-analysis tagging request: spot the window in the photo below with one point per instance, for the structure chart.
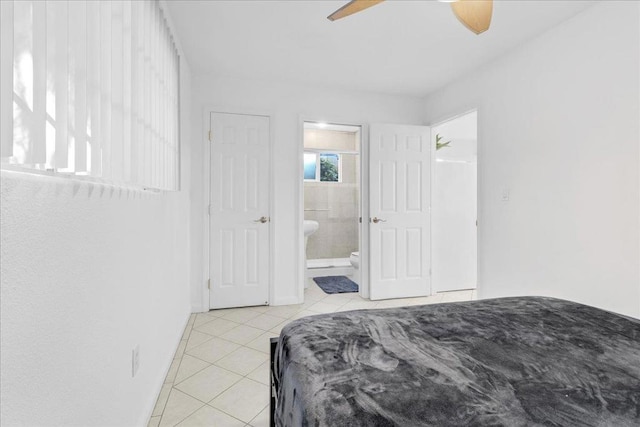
(90, 88)
(310, 166)
(322, 167)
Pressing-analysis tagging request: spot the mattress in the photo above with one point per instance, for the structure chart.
(508, 361)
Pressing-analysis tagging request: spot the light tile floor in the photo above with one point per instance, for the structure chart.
(220, 372)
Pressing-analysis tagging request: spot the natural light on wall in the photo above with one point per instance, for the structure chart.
(90, 88)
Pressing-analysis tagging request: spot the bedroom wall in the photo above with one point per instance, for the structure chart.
(454, 206)
(89, 271)
(559, 130)
(289, 104)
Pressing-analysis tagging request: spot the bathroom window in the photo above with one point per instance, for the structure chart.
(322, 167)
(310, 166)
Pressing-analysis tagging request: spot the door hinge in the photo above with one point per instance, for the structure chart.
(209, 284)
(210, 136)
(360, 220)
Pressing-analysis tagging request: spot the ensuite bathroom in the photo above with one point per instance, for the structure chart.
(332, 201)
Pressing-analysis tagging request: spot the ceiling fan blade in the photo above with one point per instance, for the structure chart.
(474, 14)
(352, 7)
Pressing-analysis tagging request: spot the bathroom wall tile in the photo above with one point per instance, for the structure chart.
(348, 168)
(328, 139)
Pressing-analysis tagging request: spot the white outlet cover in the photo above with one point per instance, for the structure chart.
(506, 194)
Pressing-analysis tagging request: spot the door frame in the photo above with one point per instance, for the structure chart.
(364, 201)
(206, 193)
(441, 120)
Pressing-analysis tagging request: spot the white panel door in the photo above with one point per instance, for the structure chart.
(399, 206)
(239, 210)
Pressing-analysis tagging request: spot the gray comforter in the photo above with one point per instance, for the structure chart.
(501, 362)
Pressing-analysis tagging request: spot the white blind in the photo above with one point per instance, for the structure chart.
(90, 87)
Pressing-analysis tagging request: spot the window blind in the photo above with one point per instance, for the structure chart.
(90, 88)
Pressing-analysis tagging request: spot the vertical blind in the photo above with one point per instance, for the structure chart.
(90, 87)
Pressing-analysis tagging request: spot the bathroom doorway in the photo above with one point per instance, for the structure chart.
(454, 251)
(331, 200)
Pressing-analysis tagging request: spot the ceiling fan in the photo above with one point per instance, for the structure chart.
(473, 14)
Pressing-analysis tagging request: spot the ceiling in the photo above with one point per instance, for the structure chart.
(397, 47)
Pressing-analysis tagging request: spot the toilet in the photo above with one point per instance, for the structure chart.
(355, 262)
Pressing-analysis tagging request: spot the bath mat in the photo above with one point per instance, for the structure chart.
(336, 284)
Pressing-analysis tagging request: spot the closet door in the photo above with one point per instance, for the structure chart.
(239, 210)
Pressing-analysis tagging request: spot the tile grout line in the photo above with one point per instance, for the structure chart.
(188, 326)
(174, 383)
(235, 418)
(246, 422)
(188, 415)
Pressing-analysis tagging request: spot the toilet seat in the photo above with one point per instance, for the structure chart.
(355, 262)
(355, 259)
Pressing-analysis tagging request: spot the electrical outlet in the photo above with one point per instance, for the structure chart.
(135, 360)
(506, 194)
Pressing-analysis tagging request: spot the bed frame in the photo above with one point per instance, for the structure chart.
(273, 382)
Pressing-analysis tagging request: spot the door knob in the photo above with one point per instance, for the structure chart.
(262, 219)
(376, 220)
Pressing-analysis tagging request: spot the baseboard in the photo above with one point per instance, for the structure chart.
(158, 388)
(330, 271)
(199, 308)
(286, 301)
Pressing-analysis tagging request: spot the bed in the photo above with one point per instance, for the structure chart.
(507, 361)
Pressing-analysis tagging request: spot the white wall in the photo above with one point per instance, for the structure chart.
(287, 103)
(454, 205)
(88, 271)
(558, 127)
